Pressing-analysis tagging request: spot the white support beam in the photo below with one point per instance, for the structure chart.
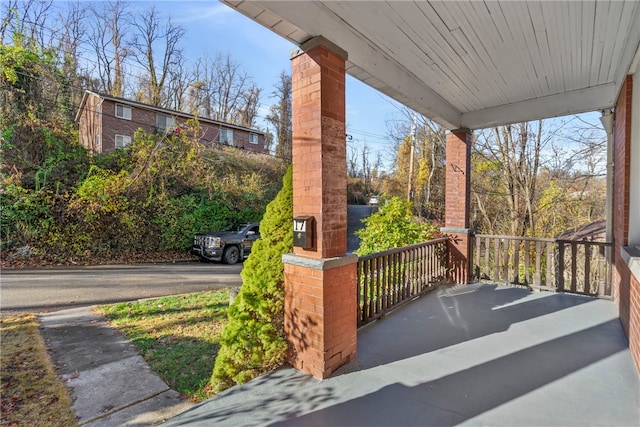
(597, 98)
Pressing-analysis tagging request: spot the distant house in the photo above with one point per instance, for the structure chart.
(107, 123)
(593, 232)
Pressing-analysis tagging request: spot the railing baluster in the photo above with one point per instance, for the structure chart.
(550, 283)
(516, 261)
(601, 270)
(487, 247)
(574, 267)
(527, 262)
(587, 269)
(496, 259)
(505, 260)
(378, 285)
(560, 267)
(536, 275)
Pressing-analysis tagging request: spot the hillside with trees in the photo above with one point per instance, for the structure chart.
(63, 204)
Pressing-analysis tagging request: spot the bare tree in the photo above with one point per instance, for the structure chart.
(511, 156)
(231, 88)
(72, 34)
(221, 90)
(30, 19)
(177, 88)
(110, 25)
(426, 175)
(246, 113)
(156, 48)
(280, 116)
(9, 17)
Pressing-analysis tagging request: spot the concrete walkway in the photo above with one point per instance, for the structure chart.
(110, 383)
(477, 355)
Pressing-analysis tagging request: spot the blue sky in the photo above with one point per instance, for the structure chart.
(213, 27)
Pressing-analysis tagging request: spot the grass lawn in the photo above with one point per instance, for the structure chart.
(178, 336)
(32, 394)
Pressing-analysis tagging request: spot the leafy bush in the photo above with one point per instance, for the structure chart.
(25, 216)
(393, 226)
(151, 197)
(253, 342)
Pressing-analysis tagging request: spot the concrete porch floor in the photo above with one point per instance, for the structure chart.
(461, 355)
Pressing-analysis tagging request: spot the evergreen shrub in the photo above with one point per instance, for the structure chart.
(253, 342)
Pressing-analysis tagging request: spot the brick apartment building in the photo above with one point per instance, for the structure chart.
(107, 123)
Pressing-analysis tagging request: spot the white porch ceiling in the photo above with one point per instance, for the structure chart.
(473, 64)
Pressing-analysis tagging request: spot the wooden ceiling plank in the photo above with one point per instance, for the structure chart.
(586, 40)
(492, 88)
(598, 42)
(528, 36)
(484, 32)
(463, 67)
(539, 33)
(631, 47)
(570, 33)
(508, 65)
(628, 14)
(519, 23)
(562, 45)
(574, 14)
(612, 23)
(439, 48)
(443, 18)
(434, 76)
(551, 23)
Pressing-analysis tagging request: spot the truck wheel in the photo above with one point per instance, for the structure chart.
(231, 255)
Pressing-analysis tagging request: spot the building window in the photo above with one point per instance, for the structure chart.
(122, 141)
(123, 112)
(98, 147)
(164, 122)
(253, 138)
(226, 136)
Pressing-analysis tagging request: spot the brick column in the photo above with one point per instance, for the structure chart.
(457, 200)
(320, 282)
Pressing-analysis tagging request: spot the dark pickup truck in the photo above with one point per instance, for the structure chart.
(229, 245)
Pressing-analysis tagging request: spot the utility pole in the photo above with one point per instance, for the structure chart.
(411, 154)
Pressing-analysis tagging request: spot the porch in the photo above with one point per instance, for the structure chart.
(476, 354)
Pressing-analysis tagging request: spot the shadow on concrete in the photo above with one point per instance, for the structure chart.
(458, 397)
(459, 313)
(298, 393)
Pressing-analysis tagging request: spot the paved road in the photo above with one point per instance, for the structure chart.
(49, 289)
(355, 215)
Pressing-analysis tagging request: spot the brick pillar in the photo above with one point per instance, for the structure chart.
(320, 282)
(457, 200)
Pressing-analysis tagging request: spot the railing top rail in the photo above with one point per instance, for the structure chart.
(530, 239)
(404, 248)
(597, 243)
